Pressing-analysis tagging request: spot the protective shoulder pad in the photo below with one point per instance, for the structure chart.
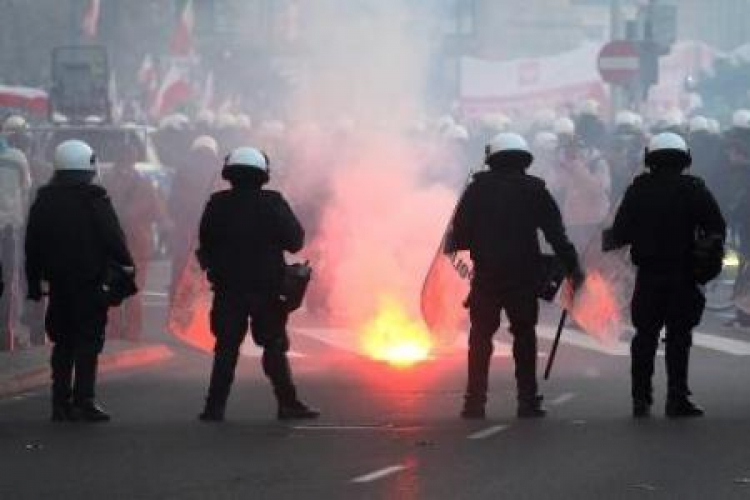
(694, 181)
(272, 196)
(536, 182)
(219, 195)
(641, 178)
(94, 191)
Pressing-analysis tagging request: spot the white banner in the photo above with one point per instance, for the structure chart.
(562, 81)
(530, 84)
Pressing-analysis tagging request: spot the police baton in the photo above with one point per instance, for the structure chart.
(555, 344)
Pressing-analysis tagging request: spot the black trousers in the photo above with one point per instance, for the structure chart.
(76, 320)
(670, 300)
(231, 315)
(522, 310)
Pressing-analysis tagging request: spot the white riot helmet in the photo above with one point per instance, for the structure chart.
(14, 124)
(741, 119)
(590, 107)
(205, 142)
(205, 117)
(247, 159)
(497, 122)
(457, 133)
(74, 156)
(672, 119)
(698, 124)
(508, 143)
(626, 118)
(671, 144)
(545, 141)
(565, 126)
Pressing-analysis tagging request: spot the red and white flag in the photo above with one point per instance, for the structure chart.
(90, 24)
(174, 91)
(181, 43)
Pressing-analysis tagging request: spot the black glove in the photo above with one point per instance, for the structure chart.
(200, 255)
(608, 241)
(34, 292)
(577, 279)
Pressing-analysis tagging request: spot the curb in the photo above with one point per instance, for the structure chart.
(122, 360)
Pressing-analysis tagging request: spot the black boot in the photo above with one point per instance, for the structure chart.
(277, 369)
(473, 410)
(296, 410)
(83, 390)
(211, 414)
(90, 411)
(531, 408)
(682, 407)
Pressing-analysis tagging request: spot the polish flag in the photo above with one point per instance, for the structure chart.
(181, 43)
(91, 19)
(174, 91)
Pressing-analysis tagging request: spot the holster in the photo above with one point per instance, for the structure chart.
(294, 284)
(551, 277)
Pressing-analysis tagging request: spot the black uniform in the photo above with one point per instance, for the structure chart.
(498, 220)
(659, 217)
(243, 234)
(72, 236)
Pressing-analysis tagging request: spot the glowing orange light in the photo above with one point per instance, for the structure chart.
(597, 310)
(395, 338)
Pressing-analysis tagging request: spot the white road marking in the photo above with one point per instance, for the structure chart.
(722, 344)
(151, 293)
(489, 431)
(253, 351)
(562, 399)
(585, 341)
(379, 474)
(338, 337)
(718, 343)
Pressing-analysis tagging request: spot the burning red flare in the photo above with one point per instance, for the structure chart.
(395, 338)
(597, 310)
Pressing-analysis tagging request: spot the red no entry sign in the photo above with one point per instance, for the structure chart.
(619, 62)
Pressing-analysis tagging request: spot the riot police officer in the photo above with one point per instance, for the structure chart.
(243, 234)
(73, 241)
(497, 220)
(662, 212)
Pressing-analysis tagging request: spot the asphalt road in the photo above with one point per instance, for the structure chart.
(388, 433)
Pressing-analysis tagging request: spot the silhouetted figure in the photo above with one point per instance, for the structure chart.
(497, 220)
(243, 234)
(74, 243)
(676, 233)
